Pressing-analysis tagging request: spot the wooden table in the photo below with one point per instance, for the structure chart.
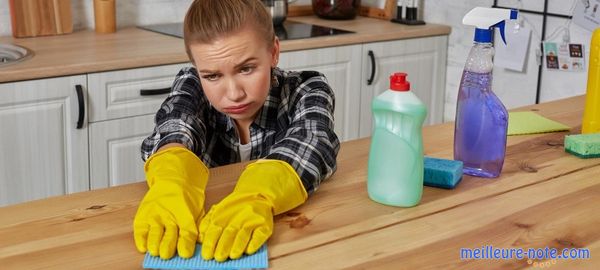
(544, 198)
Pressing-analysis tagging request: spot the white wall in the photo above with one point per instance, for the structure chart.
(4, 19)
(514, 88)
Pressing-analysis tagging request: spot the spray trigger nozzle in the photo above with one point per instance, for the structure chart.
(486, 19)
(501, 26)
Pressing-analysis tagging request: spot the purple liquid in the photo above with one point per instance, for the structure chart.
(481, 126)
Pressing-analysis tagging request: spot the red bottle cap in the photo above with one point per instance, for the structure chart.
(398, 82)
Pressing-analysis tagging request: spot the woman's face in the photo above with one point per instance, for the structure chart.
(235, 72)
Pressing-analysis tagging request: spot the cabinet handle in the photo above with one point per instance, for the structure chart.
(152, 92)
(79, 91)
(372, 56)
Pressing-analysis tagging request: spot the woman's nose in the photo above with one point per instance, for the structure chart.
(235, 91)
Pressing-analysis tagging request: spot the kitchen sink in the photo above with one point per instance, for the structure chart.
(10, 53)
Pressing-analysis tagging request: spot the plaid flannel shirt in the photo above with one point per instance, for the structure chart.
(295, 125)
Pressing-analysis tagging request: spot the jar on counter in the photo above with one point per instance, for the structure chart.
(336, 9)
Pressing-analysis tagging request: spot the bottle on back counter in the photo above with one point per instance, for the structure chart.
(395, 169)
(481, 119)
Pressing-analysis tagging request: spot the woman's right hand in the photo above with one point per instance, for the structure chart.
(171, 210)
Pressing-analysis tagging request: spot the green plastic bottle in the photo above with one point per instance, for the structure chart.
(395, 172)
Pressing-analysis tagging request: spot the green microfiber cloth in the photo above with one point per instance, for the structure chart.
(520, 123)
(583, 145)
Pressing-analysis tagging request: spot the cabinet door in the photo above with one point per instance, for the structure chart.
(42, 153)
(424, 59)
(115, 157)
(341, 66)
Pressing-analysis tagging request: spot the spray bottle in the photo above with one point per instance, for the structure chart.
(481, 118)
(395, 169)
(591, 113)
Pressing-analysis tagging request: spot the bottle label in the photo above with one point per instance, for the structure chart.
(395, 173)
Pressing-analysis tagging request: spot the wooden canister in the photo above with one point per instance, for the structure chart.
(105, 16)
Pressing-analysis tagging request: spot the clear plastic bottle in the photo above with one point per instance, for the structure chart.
(481, 118)
(395, 169)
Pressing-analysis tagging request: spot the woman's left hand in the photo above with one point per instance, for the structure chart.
(239, 223)
(243, 221)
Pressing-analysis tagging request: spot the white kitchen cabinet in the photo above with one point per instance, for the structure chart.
(423, 59)
(341, 65)
(122, 108)
(349, 70)
(42, 152)
(115, 157)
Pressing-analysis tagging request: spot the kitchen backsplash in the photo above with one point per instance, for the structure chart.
(4, 19)
(514, 88)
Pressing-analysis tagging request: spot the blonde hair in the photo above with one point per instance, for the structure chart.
(207, 20)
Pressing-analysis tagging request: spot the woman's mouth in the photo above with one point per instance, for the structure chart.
(237, 109)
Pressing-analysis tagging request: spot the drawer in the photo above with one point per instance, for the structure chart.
(118, 94)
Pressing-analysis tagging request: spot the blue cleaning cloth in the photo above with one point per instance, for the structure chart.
(442, 173)
(260, 259)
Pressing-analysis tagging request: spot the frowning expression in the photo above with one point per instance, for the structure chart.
(235, 71)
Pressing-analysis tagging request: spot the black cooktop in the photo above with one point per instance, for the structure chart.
(288, 31)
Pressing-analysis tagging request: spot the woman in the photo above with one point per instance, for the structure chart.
(234, 105)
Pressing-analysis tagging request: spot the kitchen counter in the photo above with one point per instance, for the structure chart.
(85, 51)
(544, 198)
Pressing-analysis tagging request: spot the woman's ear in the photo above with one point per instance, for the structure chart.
(275, 53)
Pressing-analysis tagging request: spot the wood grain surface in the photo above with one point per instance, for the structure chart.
(86, 51)
(544, 198)
(32, 18)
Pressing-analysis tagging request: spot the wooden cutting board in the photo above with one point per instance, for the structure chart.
(31, 18)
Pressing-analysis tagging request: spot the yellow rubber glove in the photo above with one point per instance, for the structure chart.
(169, 214)
(243, 221)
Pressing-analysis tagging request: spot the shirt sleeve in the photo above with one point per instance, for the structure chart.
(180, 117)
(310, 144)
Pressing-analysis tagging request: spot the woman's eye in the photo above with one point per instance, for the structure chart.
(246, 69)
(211, 77)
